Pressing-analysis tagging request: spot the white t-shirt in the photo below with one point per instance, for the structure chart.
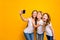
(39, 29)
(48, 30)
(29, 28)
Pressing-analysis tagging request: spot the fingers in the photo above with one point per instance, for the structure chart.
(20, 12)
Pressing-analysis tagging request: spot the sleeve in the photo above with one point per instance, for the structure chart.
(28, 19)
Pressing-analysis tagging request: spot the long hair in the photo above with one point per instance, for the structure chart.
(48, 20)
(40, 13)
(33, 12)
(35, 17)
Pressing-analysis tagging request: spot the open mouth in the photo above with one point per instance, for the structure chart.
(43, 18)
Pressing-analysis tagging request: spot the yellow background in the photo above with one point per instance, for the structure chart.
(11, 25)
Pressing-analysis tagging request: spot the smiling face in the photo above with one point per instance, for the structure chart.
(34, 14)
(39, 15)
(45, 17)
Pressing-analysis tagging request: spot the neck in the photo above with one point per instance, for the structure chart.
(33, 18)
(39, 19)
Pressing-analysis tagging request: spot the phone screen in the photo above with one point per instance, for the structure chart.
(23, 11)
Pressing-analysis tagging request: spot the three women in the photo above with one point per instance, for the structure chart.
(41, 23)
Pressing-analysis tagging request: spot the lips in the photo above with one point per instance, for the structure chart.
(43, 18)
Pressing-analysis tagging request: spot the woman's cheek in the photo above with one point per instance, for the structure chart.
(44, 19)
(38, 17)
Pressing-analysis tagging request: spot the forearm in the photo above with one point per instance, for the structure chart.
(43, 27)
(35, 25)
(24, 19)
(53, 33)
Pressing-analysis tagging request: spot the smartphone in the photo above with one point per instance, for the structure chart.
(24, 11)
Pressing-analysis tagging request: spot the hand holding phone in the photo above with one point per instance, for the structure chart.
(23, 11)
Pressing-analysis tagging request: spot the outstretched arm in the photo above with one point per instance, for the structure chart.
(24, 19)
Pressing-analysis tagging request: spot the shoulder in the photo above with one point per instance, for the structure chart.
(50, 24)
(30, 18)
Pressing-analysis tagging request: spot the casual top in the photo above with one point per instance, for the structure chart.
(39, 29)
(29, 28)
(48, 30)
